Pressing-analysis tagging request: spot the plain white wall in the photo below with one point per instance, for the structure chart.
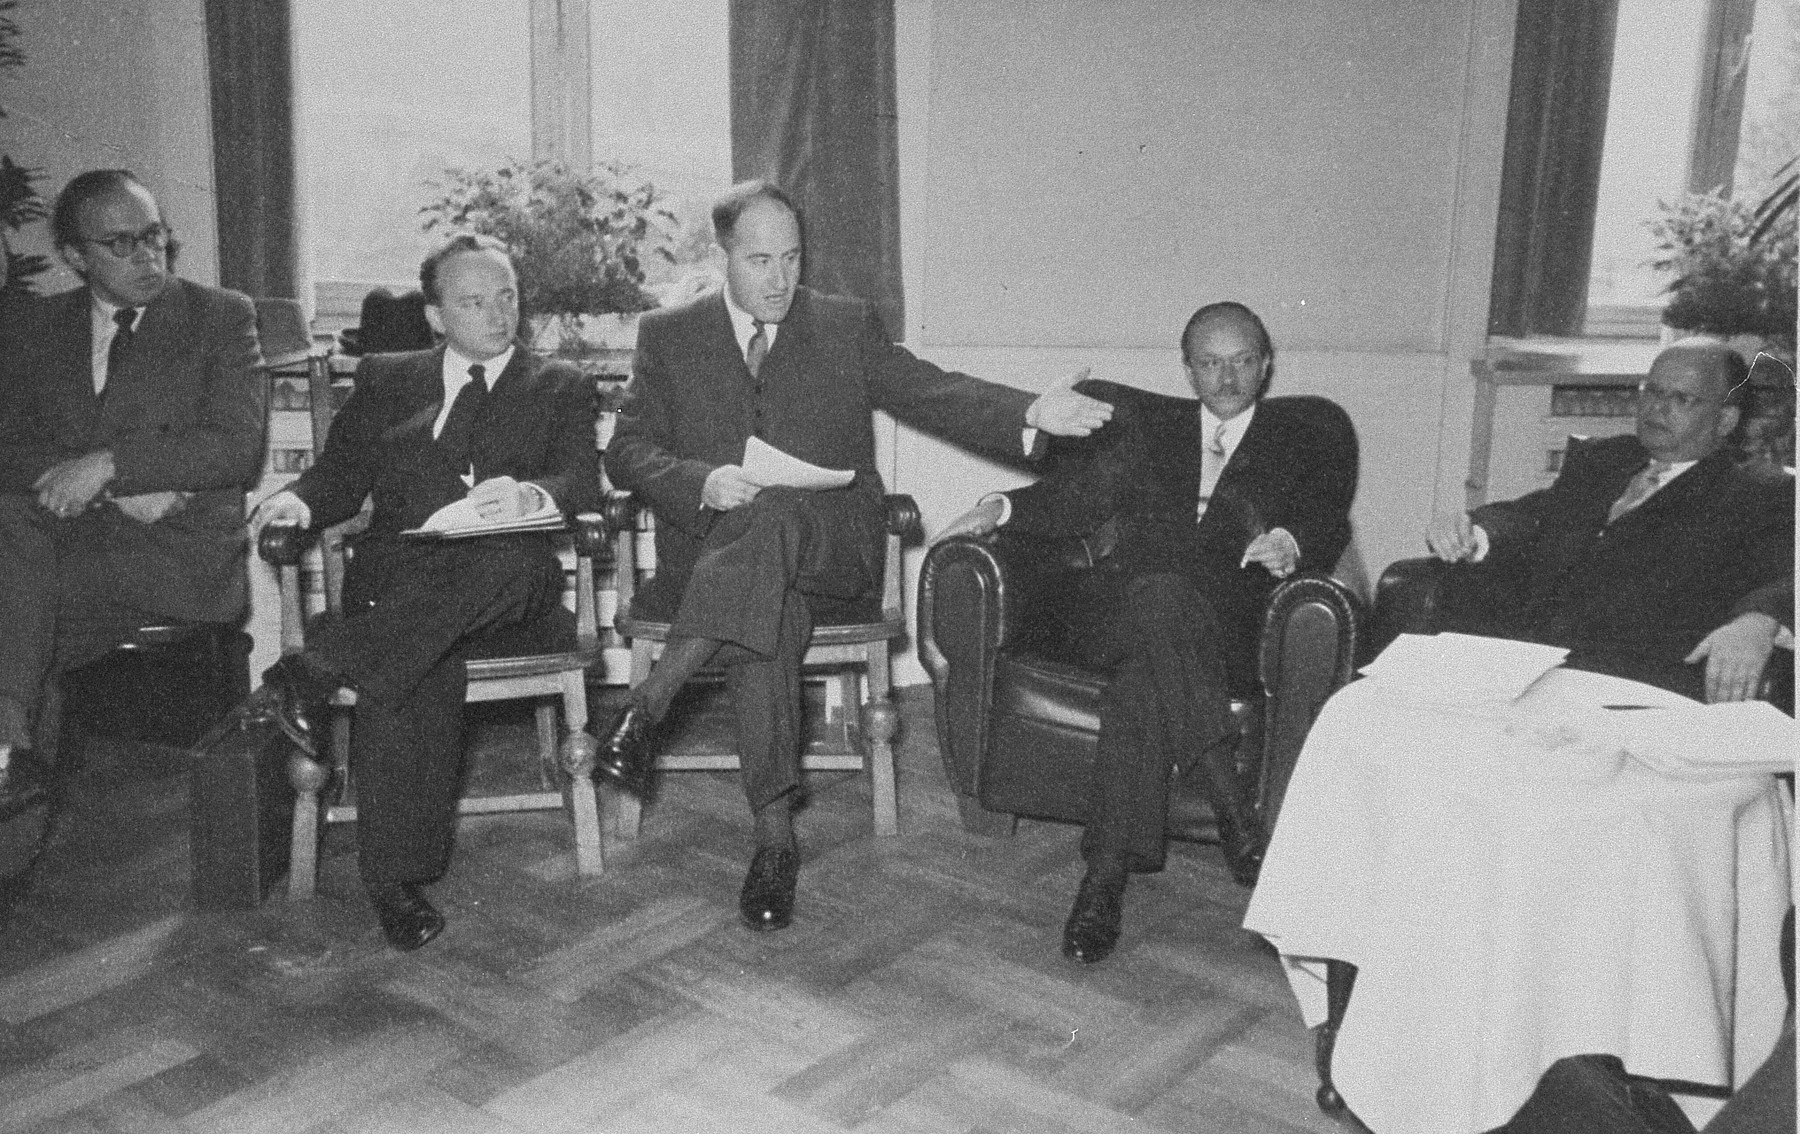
(120, 84)
(1076, 178)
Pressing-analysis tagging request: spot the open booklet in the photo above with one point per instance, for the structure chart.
(459, 520)
(767, 466)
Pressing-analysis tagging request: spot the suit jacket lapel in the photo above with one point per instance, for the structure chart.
(69, 386)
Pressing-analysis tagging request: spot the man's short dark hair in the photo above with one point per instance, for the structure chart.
(1228, 307)
(728, 208)
(461, 242)
(65, 216)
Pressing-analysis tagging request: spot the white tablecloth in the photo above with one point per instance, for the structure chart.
(1502, 917)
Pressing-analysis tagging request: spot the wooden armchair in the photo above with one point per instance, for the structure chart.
(852, 656)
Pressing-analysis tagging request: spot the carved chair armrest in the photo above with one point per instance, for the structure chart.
(589, 530)
(282, 544)
(902, 517)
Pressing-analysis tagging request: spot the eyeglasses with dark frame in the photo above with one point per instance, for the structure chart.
(124, 245)
(1245, 363)
(1675, 399)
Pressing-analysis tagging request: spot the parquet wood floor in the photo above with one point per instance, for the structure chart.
(919, 992)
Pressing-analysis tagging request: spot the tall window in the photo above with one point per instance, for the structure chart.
(1656, 81)
(1617, 105)
(388, 98)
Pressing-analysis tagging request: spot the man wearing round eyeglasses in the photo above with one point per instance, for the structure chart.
(1653, 556)
(1180, 522)
(133, 423)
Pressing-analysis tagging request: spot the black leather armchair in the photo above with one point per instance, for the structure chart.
(1018, 727)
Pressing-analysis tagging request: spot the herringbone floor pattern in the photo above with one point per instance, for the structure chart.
(919, 991)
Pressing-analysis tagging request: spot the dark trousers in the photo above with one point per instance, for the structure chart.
(411, 610)
(764, 572)
(59, 610)
(1166, 708)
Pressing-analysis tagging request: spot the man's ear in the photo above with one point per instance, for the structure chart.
(1728, 421)
(434, 317)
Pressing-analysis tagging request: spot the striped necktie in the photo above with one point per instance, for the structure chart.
(1211, 465)
(758, 348)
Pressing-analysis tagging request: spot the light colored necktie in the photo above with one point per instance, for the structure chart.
(1211, 465)
(758, 348)
(1642, 486)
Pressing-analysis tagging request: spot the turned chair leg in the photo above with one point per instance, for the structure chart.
(309, 778)
(880, 724)
(579, 748)
(1340, 978)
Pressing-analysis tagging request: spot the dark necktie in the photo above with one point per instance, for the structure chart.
(758, 348)
(126, 318)
(465, 415)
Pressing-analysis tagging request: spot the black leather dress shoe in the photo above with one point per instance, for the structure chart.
(1242, 843)
(24, 784)
(767, 901)
(625, 755)
(1093, 926)
(408, 921)
(294, 699)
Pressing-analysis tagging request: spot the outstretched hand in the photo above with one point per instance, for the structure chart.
(1735, 654)
(1064, 412)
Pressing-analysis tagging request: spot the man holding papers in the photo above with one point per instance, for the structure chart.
(1647, 548)
(477, 426)
(745, 570)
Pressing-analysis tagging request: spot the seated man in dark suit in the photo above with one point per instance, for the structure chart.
(478, 418)
(1652, 553)
(132, 424)
(743, 571)
(1191, 513)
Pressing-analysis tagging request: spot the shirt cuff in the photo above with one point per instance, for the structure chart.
(1005, 506)
(1481, 544)
(1293, 544)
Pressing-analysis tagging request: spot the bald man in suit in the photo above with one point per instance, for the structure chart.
(1185, 514)
(743, 571)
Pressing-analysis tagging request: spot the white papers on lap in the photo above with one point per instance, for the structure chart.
(459, 520)
(767, 467)
(1460, 668)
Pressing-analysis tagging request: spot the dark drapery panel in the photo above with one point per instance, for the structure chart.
(1719, 98)
(1550, 179)
(250, 64)
(812, 109)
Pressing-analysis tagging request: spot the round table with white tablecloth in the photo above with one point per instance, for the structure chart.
(1505, 909)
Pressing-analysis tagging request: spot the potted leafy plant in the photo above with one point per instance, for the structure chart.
(581, 240)
(20, 203)
(1732, 268)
